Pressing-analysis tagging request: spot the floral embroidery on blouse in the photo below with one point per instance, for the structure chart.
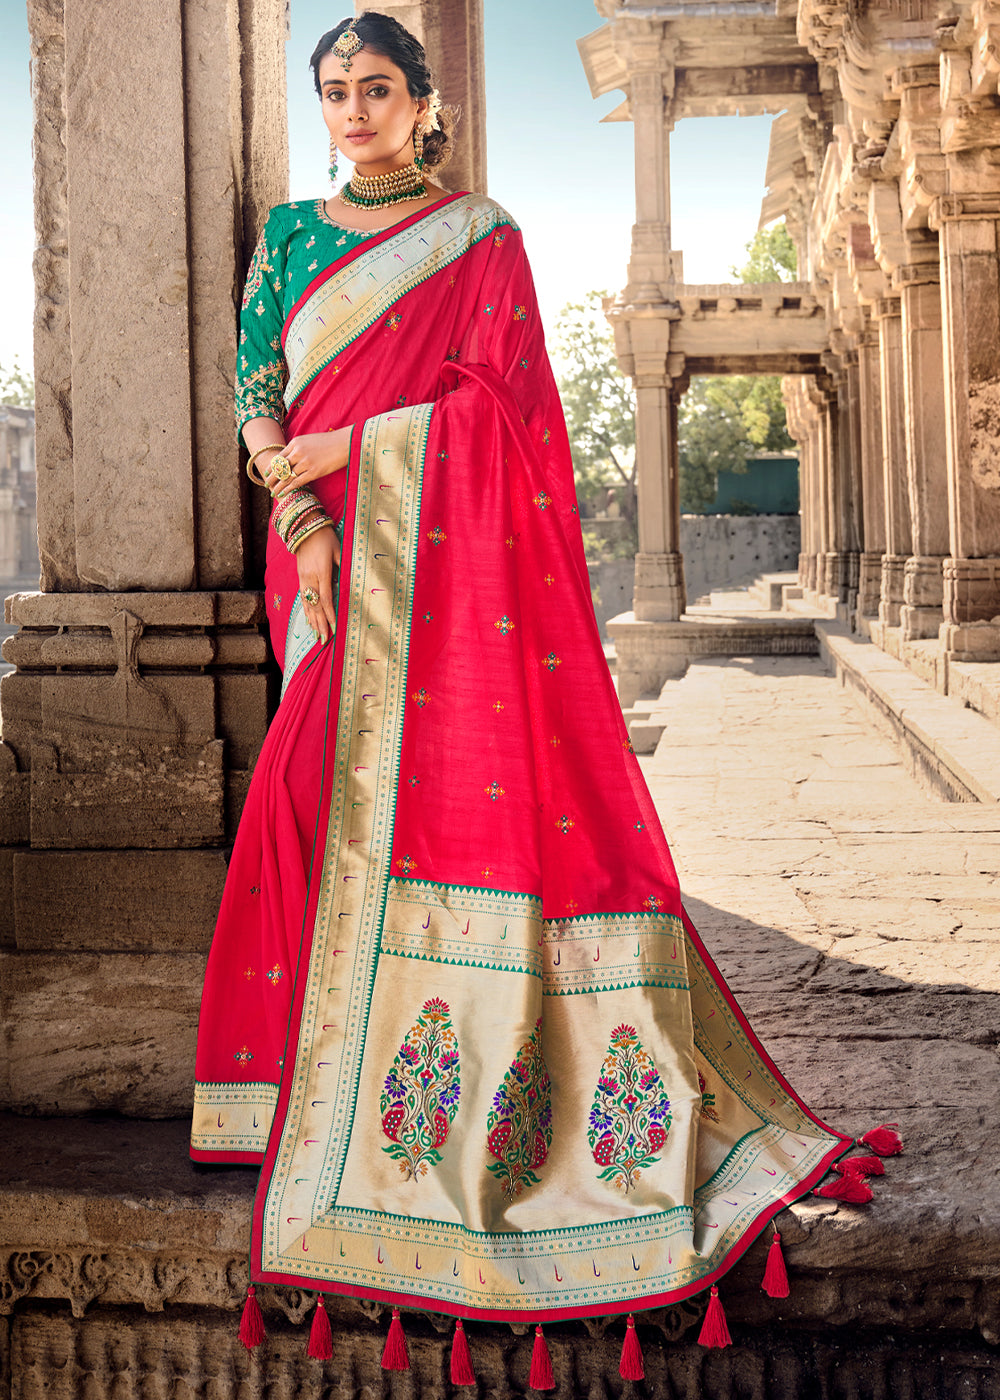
(259, 265)
(258, 395)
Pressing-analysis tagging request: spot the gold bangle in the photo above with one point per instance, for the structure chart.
(320, 525)
(257, 479)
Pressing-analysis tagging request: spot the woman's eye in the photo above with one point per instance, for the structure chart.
(377, 92)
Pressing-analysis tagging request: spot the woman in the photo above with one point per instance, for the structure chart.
(454, 1005)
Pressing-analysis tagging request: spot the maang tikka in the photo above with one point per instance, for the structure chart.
(348, 44)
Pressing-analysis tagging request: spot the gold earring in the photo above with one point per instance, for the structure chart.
(333, 161)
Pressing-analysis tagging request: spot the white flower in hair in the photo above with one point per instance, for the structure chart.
(431, 122)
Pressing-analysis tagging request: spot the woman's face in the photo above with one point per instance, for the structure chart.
(369, 111)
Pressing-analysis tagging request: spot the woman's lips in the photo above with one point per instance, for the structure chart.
(361, 136)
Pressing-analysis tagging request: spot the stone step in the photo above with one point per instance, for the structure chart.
(122, 1261)
(953, 750)
(768, 589)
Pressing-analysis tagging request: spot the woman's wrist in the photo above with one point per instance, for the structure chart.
(297, 515)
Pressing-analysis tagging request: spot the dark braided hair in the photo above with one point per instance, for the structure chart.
(384, 35)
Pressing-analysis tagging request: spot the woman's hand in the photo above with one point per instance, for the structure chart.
(316, 557)
(311, 455)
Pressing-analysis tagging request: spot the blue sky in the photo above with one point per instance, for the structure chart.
(567, 179)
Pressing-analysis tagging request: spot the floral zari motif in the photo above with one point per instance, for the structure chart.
(630, 1116)
(421, 1093)
(519, 1125)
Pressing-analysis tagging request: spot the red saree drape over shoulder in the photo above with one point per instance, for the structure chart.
(454, 1004)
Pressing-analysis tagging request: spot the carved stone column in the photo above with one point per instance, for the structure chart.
(926, 462)
(652, 264)
(659, 568)
(898, 544)
(970, 270)
(873, 490)
(140, 695)
(848, 483)
(642, 342)
(798, 414)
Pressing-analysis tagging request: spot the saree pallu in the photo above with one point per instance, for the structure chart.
(454, 1004)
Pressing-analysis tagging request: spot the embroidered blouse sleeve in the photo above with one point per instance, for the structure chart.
(261, 372)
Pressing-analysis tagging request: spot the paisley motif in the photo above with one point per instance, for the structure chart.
(420, 1098)
(519, 1125)
(630, 1116)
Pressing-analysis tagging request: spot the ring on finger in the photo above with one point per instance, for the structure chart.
(281, 467)
(311, 596)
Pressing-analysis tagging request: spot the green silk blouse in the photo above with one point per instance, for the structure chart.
(297, 242)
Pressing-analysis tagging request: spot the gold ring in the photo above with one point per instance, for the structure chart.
(311, 596)
(281, 467)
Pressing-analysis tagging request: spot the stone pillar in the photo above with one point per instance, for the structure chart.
(141, 691)
(451, 31)
(847, 483)
(872, 489)
(926, 460)
(794, 393)
(970, 271)
(659, 568)
(807, 426)
(898, 544)
(651, 263)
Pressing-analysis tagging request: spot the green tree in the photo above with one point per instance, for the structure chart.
(710, 437)
(17, 386)
(599, 404)
(771, 257)
(722, 421)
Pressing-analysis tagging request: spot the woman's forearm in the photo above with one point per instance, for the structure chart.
(259, 433)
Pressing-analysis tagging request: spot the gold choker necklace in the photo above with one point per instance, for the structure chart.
(379, 191)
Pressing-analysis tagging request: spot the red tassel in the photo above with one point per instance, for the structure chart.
(775, 1280)
(851, 1188)
(541, 1377)
(461, 1358)
(252, 1330)
(714, 1331)
(320, 1335)
(883, 1140)
(864, 1166)
(630, 1368)
(395, 1357)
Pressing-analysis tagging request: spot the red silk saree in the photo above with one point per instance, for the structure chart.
(454, 1005)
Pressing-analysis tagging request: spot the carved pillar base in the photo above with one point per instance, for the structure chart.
(891, 596)
(971, 590)
(971, 627)
(869, 583)
(837, 569)
(659, 587)
(923, 595)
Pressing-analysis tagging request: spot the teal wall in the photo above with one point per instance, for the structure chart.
(769, 486)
